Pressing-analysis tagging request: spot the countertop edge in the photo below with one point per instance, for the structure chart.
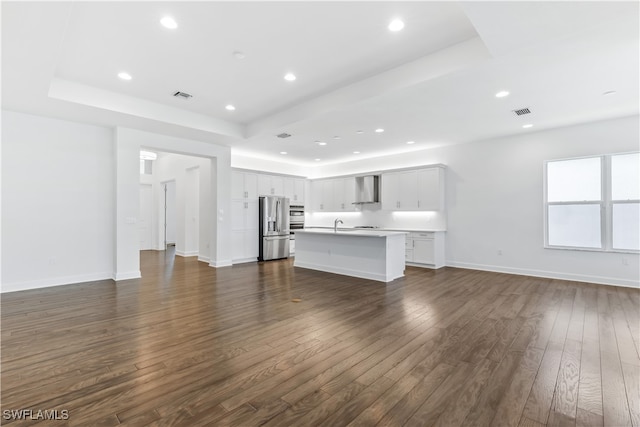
(406, 230)
(354, 233)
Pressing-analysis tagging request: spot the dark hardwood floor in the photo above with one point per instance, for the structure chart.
(190, 345)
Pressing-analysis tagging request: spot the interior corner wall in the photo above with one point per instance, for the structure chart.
(494, 196)
(192, 212)
(57, 202)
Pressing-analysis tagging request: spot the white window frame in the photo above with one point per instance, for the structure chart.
(606, 206)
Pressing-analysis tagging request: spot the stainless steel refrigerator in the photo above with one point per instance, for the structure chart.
(273, 225)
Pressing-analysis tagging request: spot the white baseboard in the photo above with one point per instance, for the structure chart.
(55, 281)
(223, 263)
(611, 281)
(126, 276)
(203, 259)
(187, 253)
(244, 260)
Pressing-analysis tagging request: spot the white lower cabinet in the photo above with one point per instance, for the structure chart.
(425, 249)
(244, 225)
(245, 245)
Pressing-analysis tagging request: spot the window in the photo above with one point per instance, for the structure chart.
(593, 203)
(625, 201)
(146, 167)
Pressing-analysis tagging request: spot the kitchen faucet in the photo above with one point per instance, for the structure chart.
(335, 224)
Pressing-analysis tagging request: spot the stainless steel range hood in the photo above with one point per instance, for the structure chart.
(367, 189)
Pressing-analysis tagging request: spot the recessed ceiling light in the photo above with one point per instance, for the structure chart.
(359, 132)
(317, 160)
(289, 77)
(379, 130)
(396, 25)
(336, 137)
(609, 92)
(411, 142)
(230, 107)
(502, 94)
(239, 55)
(169, 22)
(283, 152)
(356, 152)
(527, 126)
(322, 143)
(124, 76)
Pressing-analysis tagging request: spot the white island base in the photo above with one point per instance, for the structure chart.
(375, 255)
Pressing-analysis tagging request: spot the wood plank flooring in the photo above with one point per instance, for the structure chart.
(190, 345)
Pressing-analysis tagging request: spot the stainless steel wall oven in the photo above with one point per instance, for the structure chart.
(296, 217)
(296, 222)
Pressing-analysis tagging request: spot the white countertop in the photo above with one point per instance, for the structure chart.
(351, 232)
(406, 230)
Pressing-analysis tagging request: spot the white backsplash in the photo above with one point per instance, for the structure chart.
(373, 215)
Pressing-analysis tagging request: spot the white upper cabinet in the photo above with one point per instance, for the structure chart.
(277, 183)
(322, 195)
(390, 190)
(294, 190)
(431, 189)
(344, 193)
(244, 185)
(270, 185)
(400, 191)
(333, 195)
(404, 190)
(298, 187)
(316, 195)
(413, 190)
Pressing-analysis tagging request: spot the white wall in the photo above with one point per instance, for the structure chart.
(241, 161)
(57, 202)
(193, 193)
(494, 200)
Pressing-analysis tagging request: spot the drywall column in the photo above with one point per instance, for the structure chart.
(192, 211)
(220, 255)
(127, 205)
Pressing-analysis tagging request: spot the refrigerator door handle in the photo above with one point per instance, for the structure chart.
(277, 224)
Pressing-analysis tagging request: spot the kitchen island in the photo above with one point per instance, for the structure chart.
(376, 255)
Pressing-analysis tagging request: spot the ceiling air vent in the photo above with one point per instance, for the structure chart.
(283, 135)
(184, 95)
(522, 111)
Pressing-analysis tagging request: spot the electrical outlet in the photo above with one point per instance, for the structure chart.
(499, 251)
(625, 260)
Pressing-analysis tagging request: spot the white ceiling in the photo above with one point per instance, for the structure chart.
(433, 82)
